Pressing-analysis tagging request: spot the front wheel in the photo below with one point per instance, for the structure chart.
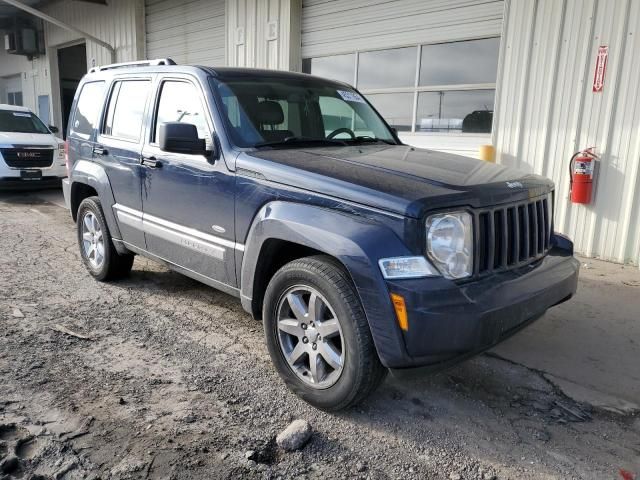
(318, 336)
(96, 247)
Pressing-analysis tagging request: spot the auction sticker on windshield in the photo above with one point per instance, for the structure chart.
(350, 96)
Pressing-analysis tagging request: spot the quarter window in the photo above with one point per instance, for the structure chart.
(180, 102)
(445, 87)
(88, 109)
(126, 109)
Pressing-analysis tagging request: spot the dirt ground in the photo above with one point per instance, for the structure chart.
(174, 381)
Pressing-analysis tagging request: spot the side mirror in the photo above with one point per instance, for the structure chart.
(180, 138)
(53, 129)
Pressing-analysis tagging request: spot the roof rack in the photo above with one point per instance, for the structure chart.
(141, 63)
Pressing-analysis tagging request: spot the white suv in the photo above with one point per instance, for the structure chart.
(29, 152)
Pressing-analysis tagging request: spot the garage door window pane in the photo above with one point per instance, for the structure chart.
(455, 111)
(460, 63)
(387, 68)
(337, 67)
(396, 108)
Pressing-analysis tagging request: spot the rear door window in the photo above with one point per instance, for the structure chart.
(125, 113)
(88, 108)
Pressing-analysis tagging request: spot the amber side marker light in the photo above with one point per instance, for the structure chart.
(401, 311)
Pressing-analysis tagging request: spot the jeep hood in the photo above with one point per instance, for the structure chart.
(396, 178)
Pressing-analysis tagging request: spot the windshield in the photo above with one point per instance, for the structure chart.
(272, 112)
(21, 122)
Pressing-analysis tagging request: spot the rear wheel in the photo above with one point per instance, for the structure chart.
(318, 336)
(96, 246)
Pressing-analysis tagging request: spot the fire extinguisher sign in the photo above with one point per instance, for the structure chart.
(601, 68)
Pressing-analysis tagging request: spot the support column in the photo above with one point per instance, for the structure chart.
(264, 34)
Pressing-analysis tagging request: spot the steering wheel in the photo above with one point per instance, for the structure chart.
(340, 130)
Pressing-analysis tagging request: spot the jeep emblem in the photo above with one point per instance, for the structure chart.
(515, 185)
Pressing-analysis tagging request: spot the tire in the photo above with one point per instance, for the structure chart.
(335, 385)
(109, 265)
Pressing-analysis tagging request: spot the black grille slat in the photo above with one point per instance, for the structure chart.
(533, 230)
(547, 223)
(497, 239)
(491, 241)
(512, 228)
(483, 247)
(541, 227)
(524, 233)
(27, 157)
(514, 235)
(505, 239)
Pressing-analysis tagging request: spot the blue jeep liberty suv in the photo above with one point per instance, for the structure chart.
(290, 192)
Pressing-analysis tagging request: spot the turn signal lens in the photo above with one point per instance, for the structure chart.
(397, 268)
(401, 311)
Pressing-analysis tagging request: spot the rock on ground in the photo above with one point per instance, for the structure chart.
(294, 436)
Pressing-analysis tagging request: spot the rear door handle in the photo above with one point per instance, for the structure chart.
(151, 162)
(100, 150)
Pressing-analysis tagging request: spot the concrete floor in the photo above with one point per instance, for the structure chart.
(589, 346)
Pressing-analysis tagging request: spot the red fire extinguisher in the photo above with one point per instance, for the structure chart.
(581, 169)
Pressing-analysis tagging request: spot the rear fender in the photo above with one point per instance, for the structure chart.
(356, 242)
(94, 175)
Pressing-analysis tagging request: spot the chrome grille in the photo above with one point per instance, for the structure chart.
(508, 236)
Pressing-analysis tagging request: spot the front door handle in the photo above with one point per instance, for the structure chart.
(99, 150)
(151, 162)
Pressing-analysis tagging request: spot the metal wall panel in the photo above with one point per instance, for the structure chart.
(341, 26)
(188, 31)
(546, 110)
(119, 23)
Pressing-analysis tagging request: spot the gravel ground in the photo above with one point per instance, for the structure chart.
(174, 381)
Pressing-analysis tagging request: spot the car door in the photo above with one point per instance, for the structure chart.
(188, 199)
(118, 149)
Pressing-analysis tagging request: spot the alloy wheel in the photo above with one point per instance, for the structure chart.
(92, 240)
(310, 336)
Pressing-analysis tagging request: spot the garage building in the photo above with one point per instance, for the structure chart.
(538, 79)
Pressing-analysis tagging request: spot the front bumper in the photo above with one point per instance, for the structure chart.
(449, 322)
(11, 178)
(13, 183)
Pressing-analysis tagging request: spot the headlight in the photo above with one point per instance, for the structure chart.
(450, 243)
(61, 151)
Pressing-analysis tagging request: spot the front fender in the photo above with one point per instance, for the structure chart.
(357, 242)
(94, 175)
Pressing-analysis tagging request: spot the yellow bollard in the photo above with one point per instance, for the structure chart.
(487, 153)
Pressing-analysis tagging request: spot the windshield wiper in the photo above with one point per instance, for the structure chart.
(367, 138)
(296, 140)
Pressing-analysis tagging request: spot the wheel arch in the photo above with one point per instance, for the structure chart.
(296, 230)
(88, 179)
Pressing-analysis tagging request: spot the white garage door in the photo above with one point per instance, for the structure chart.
(428, 66)
(188, 31)
(342, 26)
